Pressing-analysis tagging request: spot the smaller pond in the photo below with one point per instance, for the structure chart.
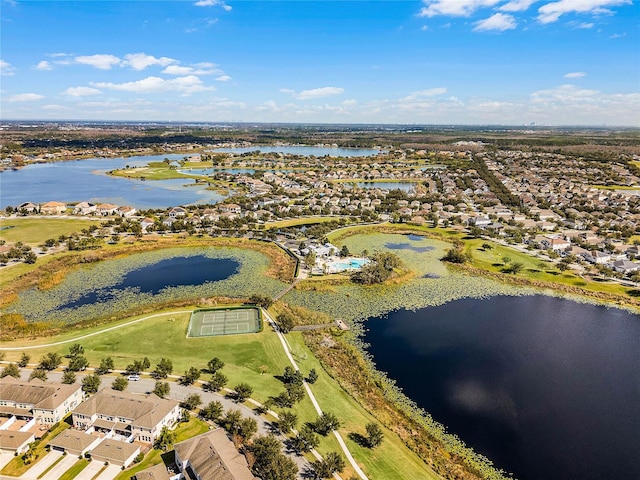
(305, 150)
(408, 246)
(170, 272)
(404, 186)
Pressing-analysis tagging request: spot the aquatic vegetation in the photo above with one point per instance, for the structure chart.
(433, 284)
(45, 306)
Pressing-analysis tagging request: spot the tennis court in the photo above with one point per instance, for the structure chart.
(213, 322)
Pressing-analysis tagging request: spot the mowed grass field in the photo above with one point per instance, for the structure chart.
(35, 230)
(244, 357)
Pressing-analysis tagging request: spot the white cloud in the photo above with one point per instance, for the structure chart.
(223, 78)
(6, 69)
(314, 93)
(575, 75)
(430, 92)
(551, 12)
(25, 97)
(140, 61)
(53, 107)
(213, 3)
(81, 91)
(204, 68)
(517, 5)
(185, 85)
(460, 8)
(101, 61)
(497, 21)
(585, 25)
(43, 65)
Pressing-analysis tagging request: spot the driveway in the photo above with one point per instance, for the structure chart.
(65, 464)
(34, 472)
(110, 472)
(92, 469)
(5, 457)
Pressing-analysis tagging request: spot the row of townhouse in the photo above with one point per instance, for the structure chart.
(82, 208)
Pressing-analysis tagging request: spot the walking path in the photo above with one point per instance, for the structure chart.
(312, 397)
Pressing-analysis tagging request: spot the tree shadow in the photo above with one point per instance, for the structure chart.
(359, 439)
(634, 293)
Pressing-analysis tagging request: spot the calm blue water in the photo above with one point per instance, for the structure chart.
(306, 151)
(545, 387)
(84, 180)
(404, 186)
(171, 272)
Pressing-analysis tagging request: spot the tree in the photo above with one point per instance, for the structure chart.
(292, 376)
(261, 300)
(145, 364)
(39, 373)
(163, 368)
(78, 363)
(313, 376)
(24, 360)
(454, 255)
(50, 361)
(515, 267)
(68, 377)
(306, 440)
(214, 365)
(106, 366)
(310, 259)
(120, 384)
(10, 370)
(326, 422)
(212, 412)
(162, 389)
(326, 467)
(91, 383)
(286, 322)
(269, 462)
(190, 376)
(75, 350)
(243, 391)
(165, 440)
(217, 382)
(287, 421)
(192, 402)
(374, 434)
(230, 420)
(344, 251)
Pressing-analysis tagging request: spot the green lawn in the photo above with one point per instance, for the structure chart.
(298, 221)
(75, 470)
(35, 230)
(153, 171)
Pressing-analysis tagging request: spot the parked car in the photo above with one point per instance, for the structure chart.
(133, 378)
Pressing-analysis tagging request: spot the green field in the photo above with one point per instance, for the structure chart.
(75, 470)
(35, 230)
(154, 171)
(292, 222)
(244, 357)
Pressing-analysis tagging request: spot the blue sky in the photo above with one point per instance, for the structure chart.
(553, 62)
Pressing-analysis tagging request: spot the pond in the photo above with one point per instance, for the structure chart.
(304, 150)
(544, 387)
(86, 180)
(155, 277)
(149, 278)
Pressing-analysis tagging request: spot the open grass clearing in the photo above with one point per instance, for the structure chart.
(299, 221)
(35, 230)
(392, 459)
(153, 171)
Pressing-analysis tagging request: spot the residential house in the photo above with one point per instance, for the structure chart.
(136, 417)
(74, 442)
(28, 207)
(106, 209)
(118, 453)
(53, 208)
(84, 208)
(625, 266)
(126, 211)
(211, 456)
(18, 442)
(37, 401)
(230, 208)
(176, 212)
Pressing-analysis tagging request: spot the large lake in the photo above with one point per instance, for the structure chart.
(546, 388)
(86, 180)
(305, 150)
